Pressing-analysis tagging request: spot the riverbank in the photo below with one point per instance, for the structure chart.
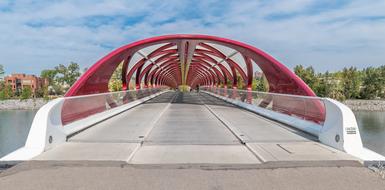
(28, 104)
(365, 105)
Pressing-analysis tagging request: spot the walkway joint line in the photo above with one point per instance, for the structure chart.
(223, 121)
(232, 130)
(153, 123)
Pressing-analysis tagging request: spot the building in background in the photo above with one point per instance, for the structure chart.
(258, 74)
(20, 81)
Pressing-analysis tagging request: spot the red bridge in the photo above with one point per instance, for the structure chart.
(162, 123)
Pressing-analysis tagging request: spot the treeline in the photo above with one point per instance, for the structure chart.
(258, 84)
(6, 92)
(350, 83)
(60, 78)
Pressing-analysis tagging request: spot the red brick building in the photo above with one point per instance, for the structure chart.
(20, 81)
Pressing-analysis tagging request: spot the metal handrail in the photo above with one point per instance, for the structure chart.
(115, 92)
(270, 93)
(310, 109)
(79, 107)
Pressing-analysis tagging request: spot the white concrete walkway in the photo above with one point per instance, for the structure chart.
(190, 141)
(191, 128)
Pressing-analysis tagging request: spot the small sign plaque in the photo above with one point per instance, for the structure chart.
(351, 130)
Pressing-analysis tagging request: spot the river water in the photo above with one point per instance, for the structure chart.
(14, 129)
(15, 125)
(372, 129)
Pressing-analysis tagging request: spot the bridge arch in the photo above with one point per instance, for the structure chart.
(174, 60)
(185, 59)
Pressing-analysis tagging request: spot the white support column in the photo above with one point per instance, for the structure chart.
(341, 131)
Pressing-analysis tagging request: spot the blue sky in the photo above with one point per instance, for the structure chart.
(327, 35)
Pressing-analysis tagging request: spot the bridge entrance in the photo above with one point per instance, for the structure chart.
(226, 124)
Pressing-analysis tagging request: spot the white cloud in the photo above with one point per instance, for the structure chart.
(37, 35)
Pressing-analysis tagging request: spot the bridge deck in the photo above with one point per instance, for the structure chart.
(190, 141)
(192, 128)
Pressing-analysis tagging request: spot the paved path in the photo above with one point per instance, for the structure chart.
(85, 175)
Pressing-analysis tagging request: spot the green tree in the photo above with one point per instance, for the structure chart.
(262, 85)
(254, 84)
(307, 75)
(5, 91)
(351, 82)
(49, 74)
(335, 90)
(1, 76)
(73, 73)
(67, 75)
(53, 87)
(382, 81)
(323, 85)
(26, 93)
(229, 83)
(329, 86)
(42, 92)
(372, 83)
(240, 82)
(60, 78)
(1, 70)
(115, 82)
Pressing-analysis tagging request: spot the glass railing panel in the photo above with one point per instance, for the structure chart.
(303, 107)
(80, 107)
